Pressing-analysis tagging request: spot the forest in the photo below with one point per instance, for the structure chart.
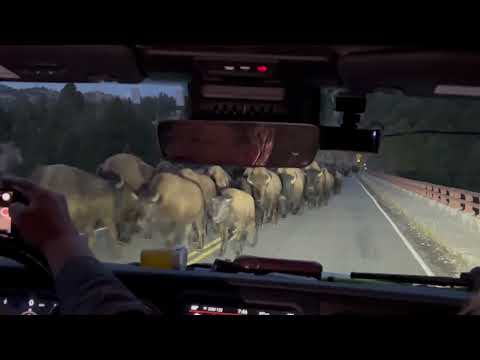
(450, 160)
(68, 128)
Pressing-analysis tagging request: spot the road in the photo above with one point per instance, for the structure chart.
(352, 233)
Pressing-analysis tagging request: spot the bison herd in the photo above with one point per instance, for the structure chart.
(173, 204)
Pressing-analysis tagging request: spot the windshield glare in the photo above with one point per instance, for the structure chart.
(411, 209)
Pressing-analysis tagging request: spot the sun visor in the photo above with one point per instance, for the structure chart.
(78, 63)
(416, 73)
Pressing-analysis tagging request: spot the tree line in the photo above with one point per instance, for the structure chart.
(450, 160)
(81, 133)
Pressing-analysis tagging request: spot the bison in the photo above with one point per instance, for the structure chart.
(220, 177)
(315, 188)
(130, 173)
(166, 166)
(205, 183)
(92, 202)
(313, 166)
(329, 185)
(338, 182)
(130, 170)
(233, 213)
(239, 180)
(266, 187)
(175, 210)
(293, 183)
(207, 186)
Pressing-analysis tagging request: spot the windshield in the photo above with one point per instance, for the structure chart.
(412, 209)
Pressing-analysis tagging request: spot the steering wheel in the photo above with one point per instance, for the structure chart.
(15, 248)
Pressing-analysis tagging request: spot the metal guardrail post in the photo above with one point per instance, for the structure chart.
(462, 200)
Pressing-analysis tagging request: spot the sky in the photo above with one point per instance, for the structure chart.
(123, 90)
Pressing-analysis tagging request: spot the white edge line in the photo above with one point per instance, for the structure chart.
(417, 257)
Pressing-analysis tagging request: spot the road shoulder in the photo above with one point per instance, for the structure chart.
(441, 260)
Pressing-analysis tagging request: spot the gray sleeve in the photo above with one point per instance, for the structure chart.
(85, 287)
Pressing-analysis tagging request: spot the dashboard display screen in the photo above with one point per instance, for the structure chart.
(196, 309)
(23, 304)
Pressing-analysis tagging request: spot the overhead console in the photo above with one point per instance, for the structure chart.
(228, 84)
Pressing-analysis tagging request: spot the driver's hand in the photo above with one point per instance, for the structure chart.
(45, 222)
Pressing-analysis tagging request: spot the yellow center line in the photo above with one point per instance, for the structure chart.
(204, 253)
(197, 252)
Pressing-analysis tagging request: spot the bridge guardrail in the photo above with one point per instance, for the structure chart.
(462, 200)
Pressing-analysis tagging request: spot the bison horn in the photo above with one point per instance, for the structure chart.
(294, 178)
(249, 181)
(134, 196)
(156, 198)
(120, 184)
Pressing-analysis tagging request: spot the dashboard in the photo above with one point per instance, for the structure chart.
(15, 302)
(206, 292)
(203, 292)
(196, 309)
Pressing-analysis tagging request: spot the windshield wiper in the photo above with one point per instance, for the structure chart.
(468, 280)
(263, 266)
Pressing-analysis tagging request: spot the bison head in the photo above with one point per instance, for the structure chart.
(110, 176)
(288, 180)
(312, 177)
(148, 191)
(258, 179)
(219, 208)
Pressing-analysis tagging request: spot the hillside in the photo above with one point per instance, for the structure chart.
(9, 94)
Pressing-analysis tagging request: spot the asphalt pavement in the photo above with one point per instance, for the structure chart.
(350, 234)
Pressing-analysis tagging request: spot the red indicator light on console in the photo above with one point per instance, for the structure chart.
(262, 68)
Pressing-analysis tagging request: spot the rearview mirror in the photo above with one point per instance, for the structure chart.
(238, 143)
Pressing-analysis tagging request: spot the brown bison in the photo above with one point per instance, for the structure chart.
(233, 213)
(315, 188)
(92, 202)
(266, 187)
(128, 169)
(176, 210)
(293, 184)
(220, 177)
